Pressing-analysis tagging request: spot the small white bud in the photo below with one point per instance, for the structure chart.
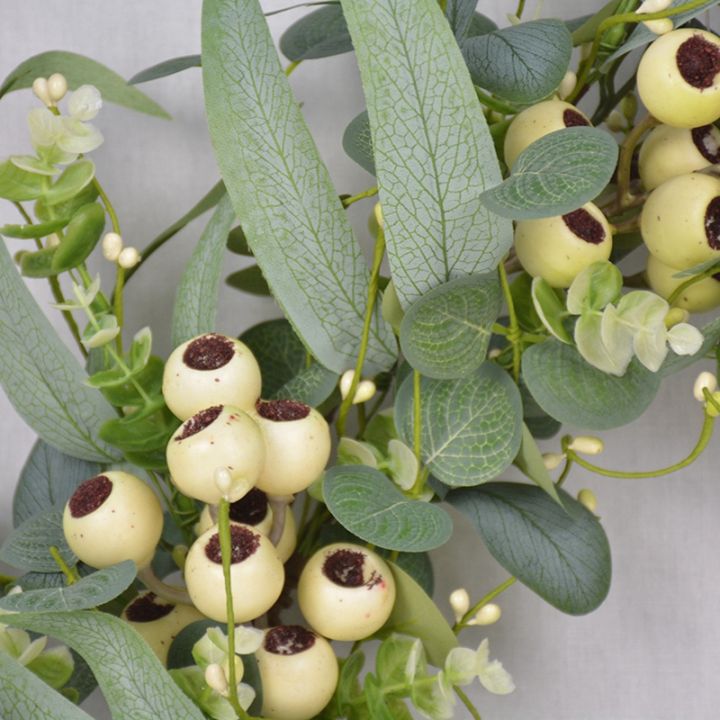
(41, 92)
(587, 498)
(659, 27)
(129, 257)
(676, 316)
(460, 603)
(216, 679)
(653, 6)
(587, 445)
(57, 87)
(52, 241)
(487, 615)
(495, 352)
(363, 392)
(615, 121)
(552, 460)
(379, 215)
(705, 381)
(112, 246)
(567, 85)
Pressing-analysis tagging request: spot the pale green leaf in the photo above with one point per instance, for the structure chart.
(433, 151)
(594, 287)
(321, 33)
(357, 142)
(685, 339)
(17, 184)
(165, 68)
(550, 309)
(73, 179)
(674, 363)
(604, 341)
(530, 460)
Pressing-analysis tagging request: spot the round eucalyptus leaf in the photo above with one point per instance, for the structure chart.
(28, 546)
(357, 142)
(319, 34)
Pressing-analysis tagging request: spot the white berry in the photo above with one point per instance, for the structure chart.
(701, 296)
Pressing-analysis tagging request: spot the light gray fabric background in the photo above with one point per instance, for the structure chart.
(652, 651)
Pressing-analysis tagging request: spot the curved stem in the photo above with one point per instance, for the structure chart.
(470, 614)
(680, 289)
(565, 472)
(70, 574)
(291, 67)
(370, 192)
(174, 594)
(108, 206)
(465, 700)
(513, 334)
(493, 103)
(520, 8)
(279, 504)
(624, 196)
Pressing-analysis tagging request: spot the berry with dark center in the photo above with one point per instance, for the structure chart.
(147, 608)
(698, 61)
(243, 543)
(209, 352)
(574, 118)
(585, 226)
(282, 410)
(288, 639)
(90, 495)
(251, 509)
(199, 422)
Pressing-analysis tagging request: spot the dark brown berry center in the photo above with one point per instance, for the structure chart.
(345, 567)
(698, 62)
(288, 639)
(572, 118)
(705, 141)
(251, 509)
(282, 410)
(209, 352)
(90, 495)
(243, 543)
(585, 226)
(712, 223)
(199, 422)
(146, 609)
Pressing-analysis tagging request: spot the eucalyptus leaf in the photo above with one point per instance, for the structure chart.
(574, 392)
(312, 385)
(433, 151)
(165, 68)
(72, 180)
(249, 280)
(48, 480)
(295, 223)
(539, 423)
(357, 142)
(369, 505)
(196, 300)
(42, 379)
(237, 242)
(530, 461)
(556, 174)
(38, 230)
(560, 552)
(79, 70)
(445, 334)
(460, 15)
(133, 681)
(674, 363)
(321, 33)
(523, 63)
(596, 286)
(471, 429)
(180, 652)
(480, 25)
(17, 184)
(91, 591)
(550, 309)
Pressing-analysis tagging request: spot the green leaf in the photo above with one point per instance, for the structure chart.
(376, 701)
(521, 291)
(539, 423)
(38, 264)
(312, 386)
(180, 652)
(471, 428)
(66, 210)
(54, 666)
(357, 142)
(17, 184)
(120, 391)
(433, 151)
(237, 242)
(522, 63)
(556, 174)
(445, 334)
(249, 280)
(576, 393)
(530, 461)
(141, 431)
(369, 505)
(674, 363)
(48, 480)
(80, 238)
(92, 591)
(80, 70)
(133, 681)
(596, 286)
(550, 309)
(294, 221)
(559, 552)
(585, 28)
(42, 379)
(24, 696)
(196, 300)
(480, 25)
(321, 33)
(460, 14)
(28, 547)
(165, 68)
(73, 179)
(414, 613)
(39, 230)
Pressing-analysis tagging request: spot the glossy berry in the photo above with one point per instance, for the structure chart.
(208, 370)
(558, 248)
(298, 670)
(113, 517)
(346, 592)
(701, 296)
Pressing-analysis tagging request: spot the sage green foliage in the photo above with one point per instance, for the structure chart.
(133, 681)
(79, 70)
(357, 142)
(38, 230)
(460, 14)
(291, 214)
(42, 379)
(72, 180)
(480, 25)
(237, 242)
(370, 506)
(17, 184)
(424, 114)
(24, 696)
(48, 480)
(165, 68)
(312, 385)
(521, 63)
(530, 461)
(539, 423)
(249, 280)
(445, 334)
(28, 546)
(319, 34)
(91, 591)
(574, 392)
(559, 551)
(471, 428)
(550, 308)
(556, 174)
(196, 300)
(80, 238)
(38, 264)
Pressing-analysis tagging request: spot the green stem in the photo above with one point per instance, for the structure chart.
(514, 334)
(291, 67)
(627, 149)
(465, 700)
(370, 192)
(680, 289)
(23, 212)
(422, 474)
(520, 8)
(703, 440)
(372, 297)
(470, 614)
(565, 472)
(108, 206)
(71, 575)
(493, 103)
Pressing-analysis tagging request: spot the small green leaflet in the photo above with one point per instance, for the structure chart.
(530, 461)
(357, 142)
(321, 33)
(471, 428)
(80, 70)
(92, 591)
(550, 309)
(521, 63)
(574, 392)
(73, 179)
(17, 184)
(433, 151)
(292, 217)
(312, 386)
(132, 679)
(445, 334)
(249, 280)
(369, 505)
(674, 363)
(165, 68)
(196, 300)
(560, 552)
(556, 174)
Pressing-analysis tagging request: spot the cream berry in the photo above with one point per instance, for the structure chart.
(701, 296)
